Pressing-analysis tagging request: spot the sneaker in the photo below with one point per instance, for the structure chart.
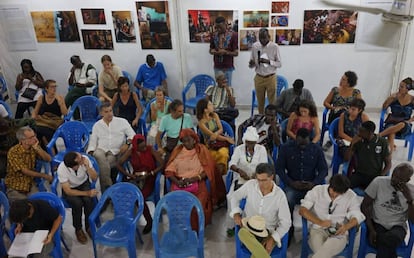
(327, 146)
(230, 232)
(80, 235)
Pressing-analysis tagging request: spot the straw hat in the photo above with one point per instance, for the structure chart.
(256, 225)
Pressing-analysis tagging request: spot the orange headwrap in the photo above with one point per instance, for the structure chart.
(189, 132)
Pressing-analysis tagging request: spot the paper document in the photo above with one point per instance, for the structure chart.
(265, 56)
(28, 243)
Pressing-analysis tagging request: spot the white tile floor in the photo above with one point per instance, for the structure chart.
(216, 243)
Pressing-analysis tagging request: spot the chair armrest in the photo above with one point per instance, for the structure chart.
(53, 186)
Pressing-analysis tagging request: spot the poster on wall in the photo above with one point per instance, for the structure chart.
(288, 37)
(248, 37)
(255, 19)
(58, 26)
(97, 39)
(329, 26)
(93, 16)
(280, 7)
(154, 24)
(201, 23)
(279, 21)
(124, 27)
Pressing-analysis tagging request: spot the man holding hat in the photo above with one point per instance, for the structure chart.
(224, 47)
(266, 210)
(289, 99)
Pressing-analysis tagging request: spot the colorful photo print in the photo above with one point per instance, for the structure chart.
(329, 26)
(58, 26)
(124, 27)
(93, 16)
(201, 23)
(288, 37)
(280, 7)
(279, 21)
(154, 24)
(248, 37)
(97, 39)
(255, 19)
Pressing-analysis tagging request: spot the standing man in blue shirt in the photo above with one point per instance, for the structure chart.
(301, 165)
(151, 75)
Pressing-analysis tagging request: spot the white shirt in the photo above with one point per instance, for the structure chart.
(239, 159)
(75, 179)
(345, 206)
(273, 207)
(110, 137)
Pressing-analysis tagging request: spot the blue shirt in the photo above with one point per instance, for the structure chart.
(151, 77)
(296, 164)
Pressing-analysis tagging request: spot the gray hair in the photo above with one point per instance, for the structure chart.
(20, 132)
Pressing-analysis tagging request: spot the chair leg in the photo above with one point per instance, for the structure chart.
(139, 236)
(64, 242)
(410, 150)
(132, 253)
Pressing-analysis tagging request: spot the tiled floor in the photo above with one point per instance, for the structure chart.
(216, 243)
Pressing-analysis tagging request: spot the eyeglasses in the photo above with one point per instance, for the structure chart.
(330, 208)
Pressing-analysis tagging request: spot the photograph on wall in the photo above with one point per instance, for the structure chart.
(97, 39)
(280, 7)
(201, 23)
(124, 27)
(279, 21)
(255, 19)
(93, 16)
(154, 24)
(248, 37)
(288, 37)
(58, 26)
(329, 26)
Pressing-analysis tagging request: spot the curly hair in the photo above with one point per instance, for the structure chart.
(309, 105)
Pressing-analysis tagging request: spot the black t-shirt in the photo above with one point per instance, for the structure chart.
(43, 217)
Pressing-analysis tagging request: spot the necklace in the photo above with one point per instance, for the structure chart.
(249, 156)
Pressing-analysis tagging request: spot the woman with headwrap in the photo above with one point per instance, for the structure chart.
(243, 163)
(146, 163)
(189, 166)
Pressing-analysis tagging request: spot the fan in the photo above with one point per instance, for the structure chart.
(400, 10)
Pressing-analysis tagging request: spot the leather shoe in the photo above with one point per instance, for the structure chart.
(80, 235)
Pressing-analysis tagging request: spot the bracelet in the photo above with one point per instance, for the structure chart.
(199, 177)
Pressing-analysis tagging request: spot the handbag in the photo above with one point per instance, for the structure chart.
(49, 120)
(394, 119)
(29, 93)
(191, 188)
(217, 144)
(227, 114)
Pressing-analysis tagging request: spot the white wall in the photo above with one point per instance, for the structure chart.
(320, 66)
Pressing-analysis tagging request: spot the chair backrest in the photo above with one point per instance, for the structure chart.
(88, 108)
(125, 197)
(201, 82)
(178, 206)
(75, 136)
(281, 84)
(333, 130)
(4, 205)
(129, 76)
(228, 131)
(7, 107)
(382, 120)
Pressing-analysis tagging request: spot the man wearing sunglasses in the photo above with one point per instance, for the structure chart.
(333, 210)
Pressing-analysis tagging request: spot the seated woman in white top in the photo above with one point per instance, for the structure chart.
(108, 79)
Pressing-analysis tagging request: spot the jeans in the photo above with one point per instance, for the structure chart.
(388, 240)
(293, 197)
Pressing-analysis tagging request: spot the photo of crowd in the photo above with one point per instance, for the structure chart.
(97, 39)
(290, 37)
(329, 26)
(124, 27)
(201, 23)
(255, 19)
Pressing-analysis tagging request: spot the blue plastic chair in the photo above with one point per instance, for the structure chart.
(155, 196)
(89, 111)
(409, 139)
(4, 205)
(55, 183)
(119, 231)
(325, 125)
(180, 240)
(75, 136)
(281, 84)
(201, 83)
(306, 250)
(404, 250)
(3, 89)
(243, 252)
(143, 126)
(7, 107)
(337, 160)
(56, 203)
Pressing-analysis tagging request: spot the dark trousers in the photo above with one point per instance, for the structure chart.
(23, 107)
(360, 180)
(388, 240)
(146, 191)
(79, 202)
